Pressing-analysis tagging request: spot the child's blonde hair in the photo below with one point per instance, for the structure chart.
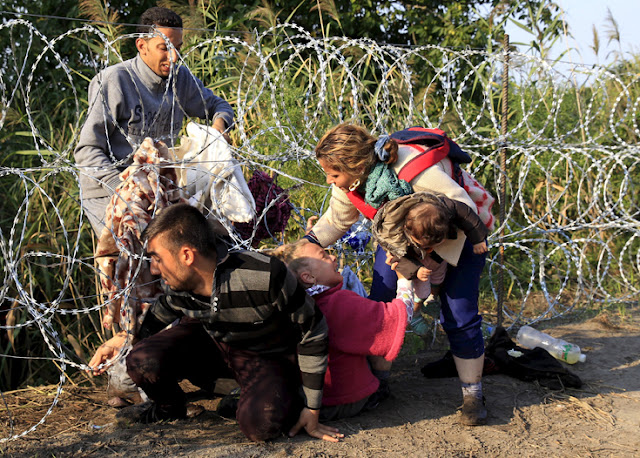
(290, 255)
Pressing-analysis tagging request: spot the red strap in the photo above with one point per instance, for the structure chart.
(358, 201)
(423, 161)
(430, 156)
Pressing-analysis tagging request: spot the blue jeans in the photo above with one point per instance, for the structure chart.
(458, 294)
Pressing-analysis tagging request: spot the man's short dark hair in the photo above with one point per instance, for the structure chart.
(184, 225)
(158, 17)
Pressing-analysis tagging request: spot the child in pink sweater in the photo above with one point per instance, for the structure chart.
(364, 335)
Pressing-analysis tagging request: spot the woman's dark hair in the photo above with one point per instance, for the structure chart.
(158, 17)
(184, 225)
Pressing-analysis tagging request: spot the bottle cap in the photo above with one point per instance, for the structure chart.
(582, 358)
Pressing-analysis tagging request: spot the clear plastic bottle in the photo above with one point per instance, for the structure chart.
(558, 348)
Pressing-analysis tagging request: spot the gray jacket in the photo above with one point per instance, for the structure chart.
(129, 102)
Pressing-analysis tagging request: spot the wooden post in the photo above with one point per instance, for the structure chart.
(503, 175)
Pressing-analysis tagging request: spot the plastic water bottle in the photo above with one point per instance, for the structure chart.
(558, 348)
(487, 330)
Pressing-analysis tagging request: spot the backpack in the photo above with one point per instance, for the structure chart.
(433, 146)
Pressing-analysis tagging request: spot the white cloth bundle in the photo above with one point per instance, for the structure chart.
(212, 177)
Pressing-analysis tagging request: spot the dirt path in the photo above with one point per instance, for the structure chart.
(525, 420)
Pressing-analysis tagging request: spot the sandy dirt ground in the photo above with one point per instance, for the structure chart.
(602, 419)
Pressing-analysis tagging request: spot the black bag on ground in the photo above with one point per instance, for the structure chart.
(536, 364)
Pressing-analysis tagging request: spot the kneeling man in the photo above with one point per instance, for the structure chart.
(240, 314)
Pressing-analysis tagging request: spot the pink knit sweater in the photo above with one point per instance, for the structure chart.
(358, 327)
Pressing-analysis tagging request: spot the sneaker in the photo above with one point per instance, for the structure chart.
(420, 326)
(432, 299)
(228, 405)
(473, 412)
(382, 393)
(431, 307)
(150, 412)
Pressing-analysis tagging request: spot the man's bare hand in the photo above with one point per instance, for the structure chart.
(309, 421)
(105, 352)
(221, 127)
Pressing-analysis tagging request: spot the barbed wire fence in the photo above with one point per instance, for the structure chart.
(570, 233)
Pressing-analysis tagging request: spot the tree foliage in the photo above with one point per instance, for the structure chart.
(449, 23)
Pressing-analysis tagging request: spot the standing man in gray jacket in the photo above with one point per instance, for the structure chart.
(147, 96)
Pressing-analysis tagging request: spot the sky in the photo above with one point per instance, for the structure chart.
(581, 15)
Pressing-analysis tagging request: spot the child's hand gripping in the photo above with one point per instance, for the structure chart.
(310, 222)
(480, 248)
(423, 274)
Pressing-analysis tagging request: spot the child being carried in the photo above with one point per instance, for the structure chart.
(413, 228)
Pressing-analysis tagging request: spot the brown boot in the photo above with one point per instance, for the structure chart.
(150, 412)
(119, 399)
(193, 410)
(473, 412)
